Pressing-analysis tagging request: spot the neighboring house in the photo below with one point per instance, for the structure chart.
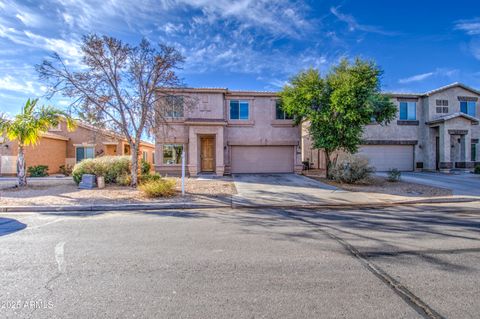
(224, 132)
(60, 147)
(435, 130)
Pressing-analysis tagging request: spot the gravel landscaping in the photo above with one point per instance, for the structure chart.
(69, 194)
(382, 186)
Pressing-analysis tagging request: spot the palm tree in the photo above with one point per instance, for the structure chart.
(27, 128)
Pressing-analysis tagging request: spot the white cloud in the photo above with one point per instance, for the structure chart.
(471, 27)
(423, 76)
(67, 49)
(353, 25)
(279, 18)
(10, 83)
(416, 78)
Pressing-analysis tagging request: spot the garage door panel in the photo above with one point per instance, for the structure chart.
(262, 159)
(386, 157)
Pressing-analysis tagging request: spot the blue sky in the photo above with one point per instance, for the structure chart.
(250, 44)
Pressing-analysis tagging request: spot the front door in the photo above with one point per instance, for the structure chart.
(437, 153)
(207, 154)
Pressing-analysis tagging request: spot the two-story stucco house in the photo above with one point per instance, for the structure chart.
(435, 130)
(224, 131)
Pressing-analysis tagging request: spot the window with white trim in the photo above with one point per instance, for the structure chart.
(172, 154)
(408, 111)
(239, 110)
(280, 114)
(173, 106)
(84, 152)
(468, 107)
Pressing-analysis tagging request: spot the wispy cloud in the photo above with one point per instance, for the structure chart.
(354, 25)
(423, 76)
(471, 27)
(10, 83)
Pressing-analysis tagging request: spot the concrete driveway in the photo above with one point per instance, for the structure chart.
(288, 190)
(465, 184)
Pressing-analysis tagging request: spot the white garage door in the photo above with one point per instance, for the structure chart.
(386, 157)
(262, 159)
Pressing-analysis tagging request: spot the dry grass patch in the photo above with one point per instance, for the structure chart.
(376, 184)
(69, 194)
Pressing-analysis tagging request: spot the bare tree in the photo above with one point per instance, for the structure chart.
(119, 83)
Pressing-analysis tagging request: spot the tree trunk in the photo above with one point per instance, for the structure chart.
(134, 174)
(327, 164)
(21, 165)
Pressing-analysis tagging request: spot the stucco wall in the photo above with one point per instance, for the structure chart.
(50, 152)
(260, 129)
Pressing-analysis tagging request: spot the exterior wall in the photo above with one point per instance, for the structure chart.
(262, 128)
(419, 133)
(48, 151)
(54, 152)
(207, 113)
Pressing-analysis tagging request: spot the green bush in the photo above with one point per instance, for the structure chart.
(477, 169)
(145, 167)
(394, 175)
(38, 171)
(124, 180)
(66, 170)
(110, 167)
(148, 178)
(158, 188)
(351, 169)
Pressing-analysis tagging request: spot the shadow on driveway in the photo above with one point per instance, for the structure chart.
(9, 225)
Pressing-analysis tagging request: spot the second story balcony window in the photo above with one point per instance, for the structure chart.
(408, 111)
(468, 107)
(280, 114)
(173, 106)
(239, 110)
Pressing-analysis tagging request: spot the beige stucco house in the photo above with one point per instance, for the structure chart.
(435, 130)
(224, 132)
(59, 147)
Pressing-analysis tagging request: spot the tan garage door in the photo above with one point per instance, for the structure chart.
(262, 159)
(385, 157)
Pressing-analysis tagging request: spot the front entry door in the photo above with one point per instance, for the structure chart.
(207, 154)
(437, 153)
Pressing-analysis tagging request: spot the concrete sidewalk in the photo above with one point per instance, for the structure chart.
(253, 191)
(9, 182)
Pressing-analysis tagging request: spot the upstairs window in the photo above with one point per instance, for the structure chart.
(468, 107)
(239, 110)
(408, 111)
(280, 114)
(144, 156)
(173, 106)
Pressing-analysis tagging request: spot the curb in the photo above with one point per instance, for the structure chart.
(233, 205)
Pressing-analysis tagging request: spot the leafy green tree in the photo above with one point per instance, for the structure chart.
(339, 105)
(27, 128)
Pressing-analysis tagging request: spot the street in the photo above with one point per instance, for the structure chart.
(397, 262)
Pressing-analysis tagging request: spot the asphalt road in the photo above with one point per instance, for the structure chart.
(391, 263)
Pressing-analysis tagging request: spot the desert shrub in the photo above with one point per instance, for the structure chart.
(158, 188)
(110, 167)
(66, 169)
(394, 175)
(148, 178)
(124, 180)
(351, 169)
(38, 171)
(145, 167)
(477, 169)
